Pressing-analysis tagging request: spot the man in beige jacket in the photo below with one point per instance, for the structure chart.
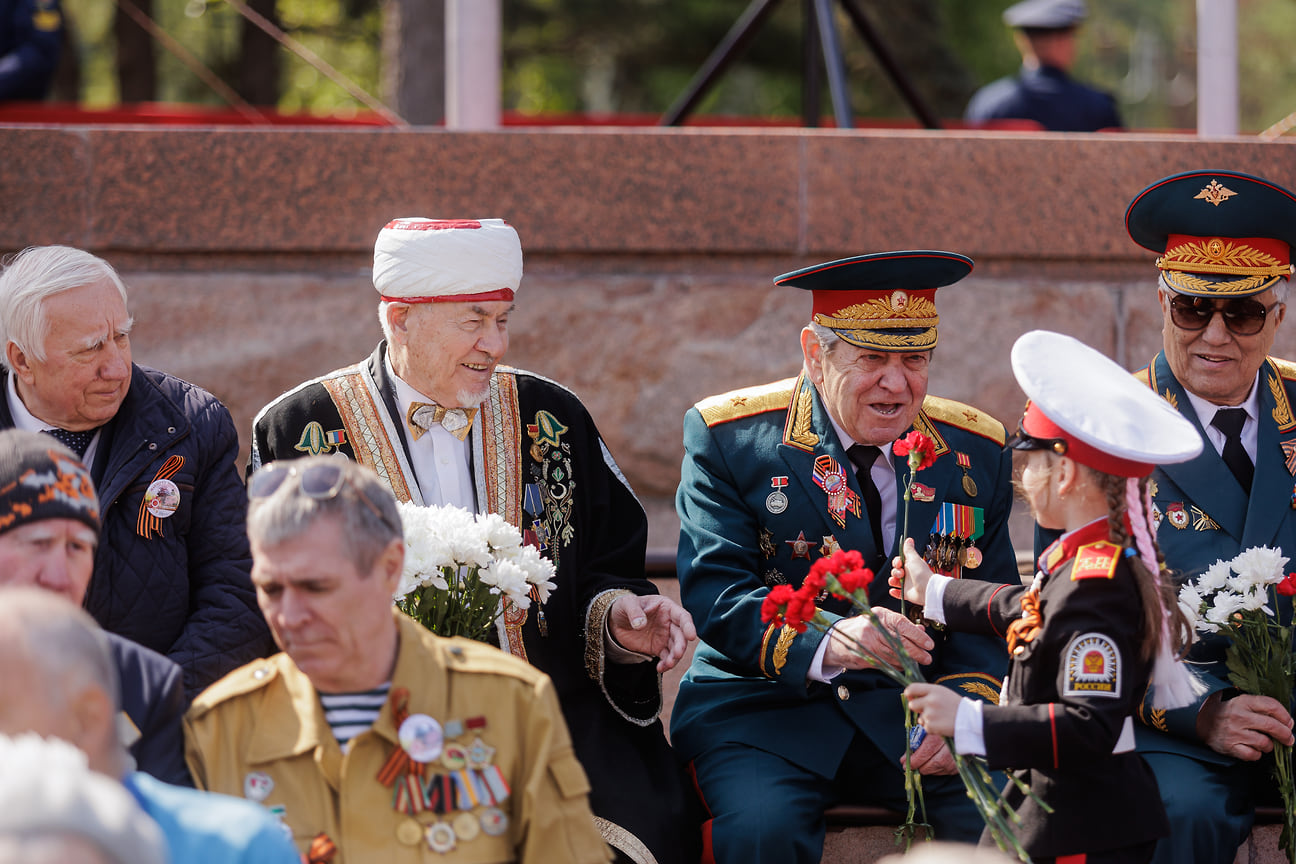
(372, 738)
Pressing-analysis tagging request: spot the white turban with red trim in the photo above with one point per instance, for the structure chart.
(420, 260)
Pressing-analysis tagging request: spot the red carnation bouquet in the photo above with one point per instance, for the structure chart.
(843, 575)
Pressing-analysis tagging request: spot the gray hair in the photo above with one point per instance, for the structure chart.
(62, 641)
(55, 809)
(383, 306)
(36, 274)
(364, 507)
(828, 338)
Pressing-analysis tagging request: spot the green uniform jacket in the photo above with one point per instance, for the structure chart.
(747, 683)
(1204, 516)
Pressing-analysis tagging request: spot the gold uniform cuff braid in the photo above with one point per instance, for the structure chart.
(596, 652)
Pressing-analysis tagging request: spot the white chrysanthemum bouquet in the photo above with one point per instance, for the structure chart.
(1238, 599)
(460, 566)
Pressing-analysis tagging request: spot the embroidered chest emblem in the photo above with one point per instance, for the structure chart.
(548, 498)
(317, 442)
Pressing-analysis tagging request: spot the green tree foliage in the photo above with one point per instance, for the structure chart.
(637, 56)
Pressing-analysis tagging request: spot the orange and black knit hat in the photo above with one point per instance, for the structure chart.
(41, 479)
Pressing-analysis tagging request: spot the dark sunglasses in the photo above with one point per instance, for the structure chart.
(319, 482)
(1243, 316)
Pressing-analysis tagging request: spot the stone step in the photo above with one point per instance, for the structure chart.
(862, 835)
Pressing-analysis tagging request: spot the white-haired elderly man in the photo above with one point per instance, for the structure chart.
(172, 568)
(439, 420)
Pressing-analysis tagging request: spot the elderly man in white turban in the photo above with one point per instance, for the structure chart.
(438, 419)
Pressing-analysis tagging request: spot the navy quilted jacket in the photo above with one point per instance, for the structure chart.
(179, 585)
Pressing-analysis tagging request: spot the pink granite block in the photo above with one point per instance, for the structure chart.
(43, 187)
(219, 189)
(1060, 197)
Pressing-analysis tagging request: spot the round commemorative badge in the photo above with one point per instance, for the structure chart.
(162, 498)
(420, 736)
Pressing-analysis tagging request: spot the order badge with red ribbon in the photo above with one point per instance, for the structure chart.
(830, 477)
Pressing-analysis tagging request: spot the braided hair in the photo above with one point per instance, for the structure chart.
(1128, 500)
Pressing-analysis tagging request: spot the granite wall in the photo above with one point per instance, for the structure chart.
(649, 253)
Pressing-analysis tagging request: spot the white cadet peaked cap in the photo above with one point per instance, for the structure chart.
(1084, 405)
(419, 260)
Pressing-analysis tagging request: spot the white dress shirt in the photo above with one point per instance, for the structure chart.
(439, 459)
(1250, 429)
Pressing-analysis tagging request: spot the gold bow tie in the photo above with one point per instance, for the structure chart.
(422, 416)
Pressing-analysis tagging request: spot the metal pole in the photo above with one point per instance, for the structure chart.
(729, 48)
(1217, 68)
(811, 68)
(888, 63)
(472, 57)
(833, 62)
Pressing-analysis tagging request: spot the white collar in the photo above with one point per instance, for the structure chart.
(1205, 410)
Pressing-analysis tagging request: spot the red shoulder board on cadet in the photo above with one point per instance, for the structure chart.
(1096, 560)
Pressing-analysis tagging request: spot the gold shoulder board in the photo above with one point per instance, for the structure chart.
(1286, 368)
(747, 402)
(964, 416)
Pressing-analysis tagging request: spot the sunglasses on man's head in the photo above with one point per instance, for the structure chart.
(321, 481)
(1243, 316)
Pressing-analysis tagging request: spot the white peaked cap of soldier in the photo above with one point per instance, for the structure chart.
(419, 260)
(1103, 416)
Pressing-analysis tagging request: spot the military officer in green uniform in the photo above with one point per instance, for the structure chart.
(1224, 241)
(370, 737)
(779, 726)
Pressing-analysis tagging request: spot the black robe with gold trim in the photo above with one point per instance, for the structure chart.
(537, 460)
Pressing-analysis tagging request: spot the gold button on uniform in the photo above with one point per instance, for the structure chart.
(843, 692)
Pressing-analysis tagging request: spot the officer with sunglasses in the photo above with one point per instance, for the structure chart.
(1224, 241)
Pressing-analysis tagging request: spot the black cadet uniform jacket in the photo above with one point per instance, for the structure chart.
(1064, 725)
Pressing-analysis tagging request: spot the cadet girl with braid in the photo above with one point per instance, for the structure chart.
(1097, 626)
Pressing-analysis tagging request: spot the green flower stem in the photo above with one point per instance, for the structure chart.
(999, 818)
(468, 607)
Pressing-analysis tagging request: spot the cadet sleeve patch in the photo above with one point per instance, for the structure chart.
(1093, 667)
(1095, 561)
(965, 417)
(747, 402)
